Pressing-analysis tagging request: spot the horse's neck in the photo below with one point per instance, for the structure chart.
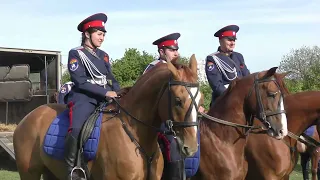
(303, 111)
(230, 108)
(142, 102)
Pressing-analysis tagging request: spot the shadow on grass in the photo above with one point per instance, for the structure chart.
(7, 163)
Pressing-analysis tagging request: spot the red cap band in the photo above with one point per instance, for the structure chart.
(227, 33)
(168, 43)
(96, 23)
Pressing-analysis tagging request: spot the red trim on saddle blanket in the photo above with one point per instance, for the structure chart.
(167, 145)
(70, 106)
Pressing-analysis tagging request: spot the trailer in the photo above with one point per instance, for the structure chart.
(28, 78)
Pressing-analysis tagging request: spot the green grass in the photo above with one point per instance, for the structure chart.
(11, 175)
(9, 172)
(297, 173)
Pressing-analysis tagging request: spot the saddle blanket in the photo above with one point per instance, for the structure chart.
(55, 138)
(310, 130)
(191, 164)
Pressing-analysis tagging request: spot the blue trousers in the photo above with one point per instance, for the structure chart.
(79, 112)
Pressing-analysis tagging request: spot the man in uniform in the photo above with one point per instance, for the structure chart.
(224, 65)
(173, 163)
(167, 48)
(64, 90)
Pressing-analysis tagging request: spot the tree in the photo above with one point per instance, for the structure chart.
(131, 66)
(65, 77)
(304, 65)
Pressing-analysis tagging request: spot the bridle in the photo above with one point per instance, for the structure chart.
(171, 123)
(262, 114)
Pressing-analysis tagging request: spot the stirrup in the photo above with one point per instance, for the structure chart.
(81, 173)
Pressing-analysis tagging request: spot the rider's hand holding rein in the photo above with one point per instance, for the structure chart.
(111, 94)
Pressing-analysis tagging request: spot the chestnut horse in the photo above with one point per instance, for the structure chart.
(277, 159)
(128, 147)
(308, 152)
(222, 144)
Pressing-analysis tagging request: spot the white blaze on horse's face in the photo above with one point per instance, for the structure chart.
(194, 112)
(283, 119)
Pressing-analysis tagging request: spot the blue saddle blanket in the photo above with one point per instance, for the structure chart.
(310, 130)
(191, 164)
(55, 137)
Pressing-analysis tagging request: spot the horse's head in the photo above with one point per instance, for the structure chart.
(179, 105)
(265, 100)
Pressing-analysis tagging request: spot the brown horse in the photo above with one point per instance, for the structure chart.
(222, 144)
(141, 112)
(277, 159)
(308, 152)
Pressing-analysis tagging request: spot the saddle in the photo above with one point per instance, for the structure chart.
(88, 128)
(89, 135)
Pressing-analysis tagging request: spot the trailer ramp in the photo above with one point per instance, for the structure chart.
(6, 142)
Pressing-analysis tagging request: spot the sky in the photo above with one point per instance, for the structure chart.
(269, 29)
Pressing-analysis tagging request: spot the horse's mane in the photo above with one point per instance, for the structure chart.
(206, 125)
(159, 68)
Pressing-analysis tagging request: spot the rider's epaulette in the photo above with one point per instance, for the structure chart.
(154, 62)
(215, 53)
(78, 48)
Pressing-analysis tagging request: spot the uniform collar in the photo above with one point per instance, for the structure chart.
(222, 52)
(90, 48)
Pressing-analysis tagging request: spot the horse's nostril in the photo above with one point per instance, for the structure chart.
(281, 131)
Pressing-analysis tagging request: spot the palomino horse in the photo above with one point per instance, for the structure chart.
(222, 144)
(277, 159)
(308, 152)
(128, 147)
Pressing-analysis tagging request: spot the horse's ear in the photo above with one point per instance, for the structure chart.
(270, 72)
(193, 64)
(173, 69)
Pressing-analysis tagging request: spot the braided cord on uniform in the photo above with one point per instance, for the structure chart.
(88, 64)
(223, 67)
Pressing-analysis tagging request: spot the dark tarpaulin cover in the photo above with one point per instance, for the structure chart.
(15, 84)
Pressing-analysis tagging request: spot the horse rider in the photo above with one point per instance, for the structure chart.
(174, 163)
(90, 71)
(64, 90)
(225, 65)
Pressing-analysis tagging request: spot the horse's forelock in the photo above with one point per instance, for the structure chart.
(280, 81)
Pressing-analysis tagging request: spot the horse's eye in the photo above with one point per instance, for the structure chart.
(178, 102)
(272, 94)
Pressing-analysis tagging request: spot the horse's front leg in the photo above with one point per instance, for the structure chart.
(314, 161)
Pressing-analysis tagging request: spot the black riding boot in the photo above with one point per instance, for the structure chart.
(305, 174)
(174, 170)
(70, 155)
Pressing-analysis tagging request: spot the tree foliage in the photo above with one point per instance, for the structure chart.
(65, 77)
(131, 66)
(304, 65)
